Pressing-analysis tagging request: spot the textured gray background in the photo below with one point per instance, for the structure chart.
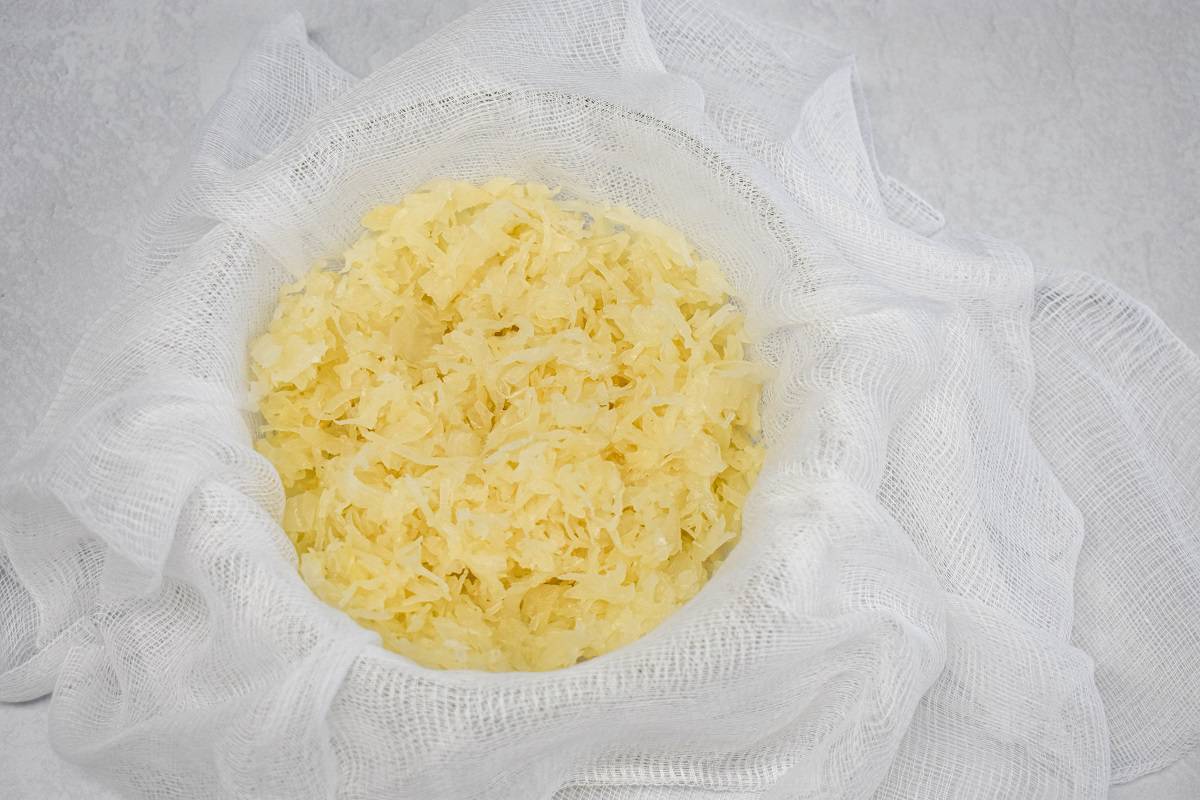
(1072, 128)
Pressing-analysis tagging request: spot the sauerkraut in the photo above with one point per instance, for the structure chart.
(514, 432)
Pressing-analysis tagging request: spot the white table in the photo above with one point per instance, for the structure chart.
(1070, 128)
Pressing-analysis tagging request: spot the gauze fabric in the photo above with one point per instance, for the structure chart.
(970, 567)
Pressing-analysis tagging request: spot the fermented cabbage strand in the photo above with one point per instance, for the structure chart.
(514, 432)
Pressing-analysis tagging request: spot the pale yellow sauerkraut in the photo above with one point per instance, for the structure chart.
(514, 433)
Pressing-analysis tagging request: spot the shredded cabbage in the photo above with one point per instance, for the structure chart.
(514, 432)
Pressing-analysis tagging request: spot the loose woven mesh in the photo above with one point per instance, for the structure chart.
(970, 567)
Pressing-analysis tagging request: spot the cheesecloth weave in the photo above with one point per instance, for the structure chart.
(969, 569)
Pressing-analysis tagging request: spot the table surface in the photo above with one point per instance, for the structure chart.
(1072, 129)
